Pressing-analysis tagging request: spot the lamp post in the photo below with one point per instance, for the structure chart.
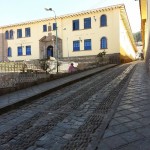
(67, 45)
(50, 9)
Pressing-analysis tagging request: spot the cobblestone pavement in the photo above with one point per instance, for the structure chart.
(71, 118)
(18, 98)
(129, 128)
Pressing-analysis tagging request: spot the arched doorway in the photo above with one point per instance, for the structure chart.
(49, 51)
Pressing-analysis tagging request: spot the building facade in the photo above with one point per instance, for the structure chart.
(145, 29)
(82, 34)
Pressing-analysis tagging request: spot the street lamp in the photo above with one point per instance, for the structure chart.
(67, 45)
(50, 9)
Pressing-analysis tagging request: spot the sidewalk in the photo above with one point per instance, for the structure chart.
(10, 101)
(129, 128)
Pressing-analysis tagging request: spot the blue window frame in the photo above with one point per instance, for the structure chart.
(28, 50)
(76, 45)
(27, 32)
(103, 21)
(9, 52)
(87, 44)
(87, 23)
(6, 35)
(19, 33)
(103, 43)
(20, 51)
(54, 26)
(11, 34)
(75, 24)
(44, 28)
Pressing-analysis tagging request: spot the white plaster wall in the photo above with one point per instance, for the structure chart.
(111, 31)
(125, 42)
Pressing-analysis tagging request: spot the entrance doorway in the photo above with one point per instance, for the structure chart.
(49, 51)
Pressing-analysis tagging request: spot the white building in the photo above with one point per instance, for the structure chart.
(83, 34)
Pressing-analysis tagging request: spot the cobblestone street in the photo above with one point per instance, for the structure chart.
(88, 114)
(129, 128)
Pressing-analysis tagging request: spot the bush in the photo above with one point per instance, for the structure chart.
(101, 54)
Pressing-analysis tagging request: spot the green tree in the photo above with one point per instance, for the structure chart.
(137, 36)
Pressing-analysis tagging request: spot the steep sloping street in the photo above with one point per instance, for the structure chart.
(73, 117)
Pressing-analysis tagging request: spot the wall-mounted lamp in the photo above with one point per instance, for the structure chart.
(80, 39)
(94, 18)
(22, 46)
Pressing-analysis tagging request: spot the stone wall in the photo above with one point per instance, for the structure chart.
(113, 58)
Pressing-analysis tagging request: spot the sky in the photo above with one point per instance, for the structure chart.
(17, 11)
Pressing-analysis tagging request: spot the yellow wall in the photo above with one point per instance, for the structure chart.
(143, 7)
(95, 34)
(1, 53)
(147, 30)
(145, 27)
(126, 49)
(37, 33)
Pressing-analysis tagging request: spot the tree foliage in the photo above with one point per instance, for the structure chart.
(101, 54)
(137, 36)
